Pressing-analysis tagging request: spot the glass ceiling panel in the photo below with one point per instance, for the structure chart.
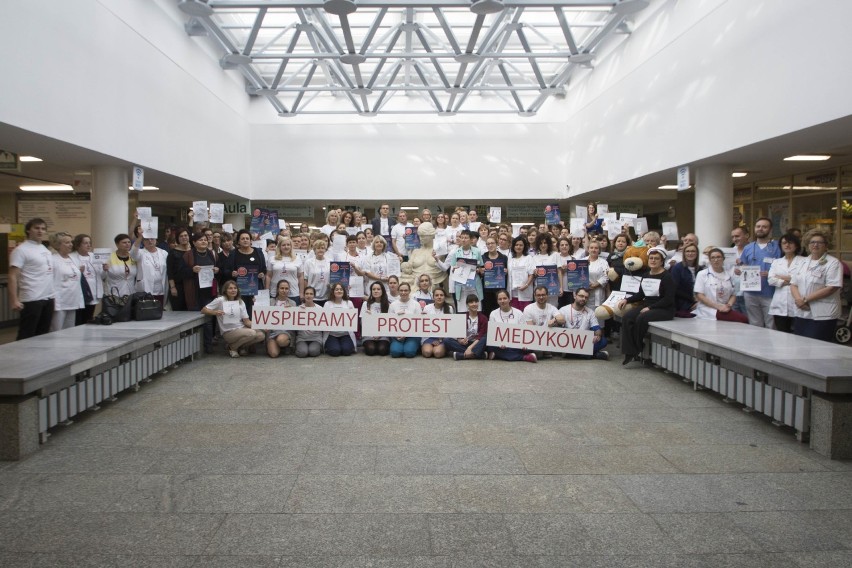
(408, 56)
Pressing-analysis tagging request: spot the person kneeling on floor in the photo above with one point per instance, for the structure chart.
(578, 316)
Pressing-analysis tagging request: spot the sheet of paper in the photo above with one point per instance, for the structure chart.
(580, 212)
(440, 246)
(630, 283)
(217, 212)
(259, 244)
(463, 272)
(651, 287)
(150, 227)
(603, 209)
(205, 277)
(394, 268)
(519, 277)
(577, 227)
(640, 225)
(199, 212)
(267, 236)
(356, 286)
(628, 216)
(338, 244)
(730, 257)
(282, 225)
(232, 313)
(614, 298)
(262, 298)
(613, 228)
(670, 230)
(495, 214)
(101, 255)
(143, 213)
(750, 278)
(228, 228)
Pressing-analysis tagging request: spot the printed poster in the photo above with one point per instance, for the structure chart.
(495, 273)
(577, 274)
(548, 276)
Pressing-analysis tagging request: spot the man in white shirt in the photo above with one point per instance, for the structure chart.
(578, 316)
(31, 282)
(397, 234)
(541, 313)
(471, 220)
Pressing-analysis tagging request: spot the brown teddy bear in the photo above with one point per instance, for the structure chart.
(635, 259)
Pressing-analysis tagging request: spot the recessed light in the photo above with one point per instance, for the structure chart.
(30, 159)
(82, 173)
(145, 187)
(409, 208)
(739, 174)
(807, 158)
(667, 187)
(53, 187)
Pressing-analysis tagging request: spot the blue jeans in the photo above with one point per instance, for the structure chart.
(336, 346)
(408, 347)
(507, 354)
(453, 346)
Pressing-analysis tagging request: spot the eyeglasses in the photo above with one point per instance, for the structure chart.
(820, 243)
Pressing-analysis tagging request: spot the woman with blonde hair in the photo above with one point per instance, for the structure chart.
(66, 283)
(284, 265)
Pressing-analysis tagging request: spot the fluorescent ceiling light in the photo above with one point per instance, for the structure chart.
(739, 174)
(807, 158)
(82, 173)
(410, 208)
(30, 159)
(145, 187)
(52, 187)
(667, 187)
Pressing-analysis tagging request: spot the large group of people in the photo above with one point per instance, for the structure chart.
(450, 271)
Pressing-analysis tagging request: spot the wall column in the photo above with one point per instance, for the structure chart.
(110, 209)
(714, 204)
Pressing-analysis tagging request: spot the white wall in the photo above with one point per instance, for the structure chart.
(122, 77)
(387, 161)
(704, 77)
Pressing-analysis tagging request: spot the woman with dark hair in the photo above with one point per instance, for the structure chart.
(199, 281)
(120, 269)
(308, 342)
(174, 267)
(248, 268)
(683, 274)
(472, 345)
(434, 346)
(545, 256)
(593, 225)
(376, 303)
(520, 274)
(404, 306)
(816, 289)
(490, 258)
(714, 291)
(339, 342)
(508, 315)
(781, 271)
(233, 320)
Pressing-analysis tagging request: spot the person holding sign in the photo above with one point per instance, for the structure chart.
(434, 346)
(594, 223)
(406, 346)
(377, 303)
(152, 277)
(494, 275)
(714, 290)
(507, 314)
(683, 274)
(423, 295)
(339, 342)
(656, 299)
(541, 313)
(280, 339)
(174, 265)
(520, 274)
(91, 271)
(233, 319)
(120, 270)
(578, 316)
(249, 268)
(472, 345)
(375, 266)
(464, 261)
(284, 265)
(199, 281)
(598, 275)
(761, 253)
(308, 343)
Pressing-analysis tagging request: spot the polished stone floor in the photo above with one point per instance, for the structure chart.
(358, 462)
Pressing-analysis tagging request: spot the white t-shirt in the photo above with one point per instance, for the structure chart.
(400, 308)
(343, 305)
(284, 269)
(374, 308)
(216, 305)
(35, 281)
(316, 273)
(580, 320)
(66, 284)
(398, 236)
(151, 267)
(92, 272)
(514, 316)
(598, 273)
(521, 265)
(539, 316)
(812, 276)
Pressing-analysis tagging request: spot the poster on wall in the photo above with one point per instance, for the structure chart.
(69, 215)
(779, 213)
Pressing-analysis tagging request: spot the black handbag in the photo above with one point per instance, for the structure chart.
(118, 308)
(146, 307)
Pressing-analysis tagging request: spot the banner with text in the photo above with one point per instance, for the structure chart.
(289, 319)
(539, 338)
(431, 325)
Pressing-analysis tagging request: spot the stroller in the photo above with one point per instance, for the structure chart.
(844, 332)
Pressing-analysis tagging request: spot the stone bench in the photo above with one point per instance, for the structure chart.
(803, 383)
(46, 380)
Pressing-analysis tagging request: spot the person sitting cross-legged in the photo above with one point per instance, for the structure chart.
(578, 316)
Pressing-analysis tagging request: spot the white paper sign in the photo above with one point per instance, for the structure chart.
(628, 215)
(670, 231)
(217, 212)
(613, 228)
(749, 278)
(394, 268)
(261, 299)
(279, 317)
(101, 255)
(580, 212)
(614, 298)
(495, 214)
(267, 236)
(730, 257)
(577, 227)
(630, 283)
(232, 313)
(138, 178)
(150, 227)
(683, 178)
(143, 213)
(228, 228)
(651, 287)
(258, 244)
(640, 225)
(463, 272)
(440, 246)
(199, 212)
(540, 338)
(282, 225)
(338, 244)
(603, 209)
(429, 325)
(205, 277)
(356, 286)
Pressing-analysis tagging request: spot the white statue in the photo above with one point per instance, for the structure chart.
(421, 261)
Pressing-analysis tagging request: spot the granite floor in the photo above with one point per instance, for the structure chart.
(358, 462)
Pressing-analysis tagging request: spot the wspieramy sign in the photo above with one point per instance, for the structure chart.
(289, 319)
(540, 338)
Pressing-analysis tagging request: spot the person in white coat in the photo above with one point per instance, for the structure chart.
(91, 271)
(66, 283)
(151, 274)
(781, 271)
